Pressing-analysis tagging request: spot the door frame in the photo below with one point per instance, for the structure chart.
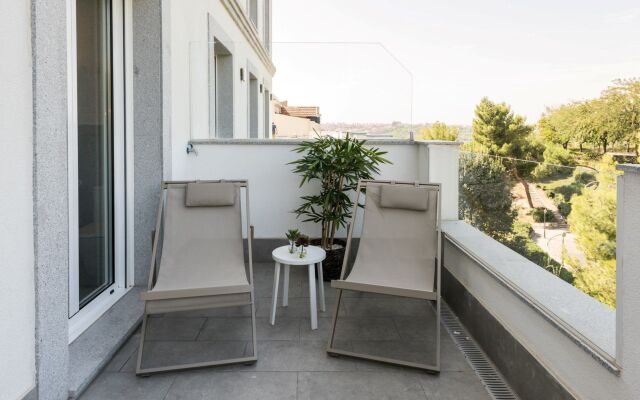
(122, 67)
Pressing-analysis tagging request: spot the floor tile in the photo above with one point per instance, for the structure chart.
(321, 334)
(234, 385)
(226, 329)
(122, 356)
(237, 311)
(350, 328)
(358, 385)
(283, 329)
(298, 283)
(386, 307)
(411, 328)
(118, 385)
(298, 308)
(454, 386)
(299, 356)
(171, 328)
(166, 353)
(411, 351)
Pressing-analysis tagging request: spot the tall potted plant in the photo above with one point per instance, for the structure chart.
(338, 164)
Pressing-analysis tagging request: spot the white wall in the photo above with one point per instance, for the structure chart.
(273, 187)
(17, 308)
(438, 163)
(294, 127)
(185, 26)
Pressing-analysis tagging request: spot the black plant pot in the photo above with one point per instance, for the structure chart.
(332, 265)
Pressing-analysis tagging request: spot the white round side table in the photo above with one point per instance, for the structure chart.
(315, 256)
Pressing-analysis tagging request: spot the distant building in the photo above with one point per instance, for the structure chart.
(295, 121)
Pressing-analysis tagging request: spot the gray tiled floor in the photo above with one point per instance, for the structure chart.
(292, 361)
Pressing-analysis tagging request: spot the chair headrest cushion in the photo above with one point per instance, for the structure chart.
(210, 194)
(404, 197)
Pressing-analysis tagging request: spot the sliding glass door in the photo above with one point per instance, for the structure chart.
(95, 148)
(96, 154)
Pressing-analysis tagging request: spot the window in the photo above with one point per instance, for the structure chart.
(253, 12)
(267, 25)
(221, 92)
(253, 106)
(267, 113)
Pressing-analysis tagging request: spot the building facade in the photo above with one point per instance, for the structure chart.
(294, 122)
(99, 101)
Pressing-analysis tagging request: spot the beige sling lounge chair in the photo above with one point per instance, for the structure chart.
(201, 261)
(398, 255)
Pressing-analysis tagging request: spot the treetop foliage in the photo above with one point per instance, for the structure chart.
(611, 119)
(499, 131)
(440, 131)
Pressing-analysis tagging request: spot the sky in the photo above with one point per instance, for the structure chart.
(531, 54)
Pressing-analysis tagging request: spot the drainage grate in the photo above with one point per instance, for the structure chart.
(494, 382)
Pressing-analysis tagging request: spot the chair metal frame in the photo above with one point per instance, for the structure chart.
(242, 183)
(430, 368)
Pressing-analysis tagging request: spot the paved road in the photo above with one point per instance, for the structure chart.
(553, 242)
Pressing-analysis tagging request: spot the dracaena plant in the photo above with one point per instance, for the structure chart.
(338, 164)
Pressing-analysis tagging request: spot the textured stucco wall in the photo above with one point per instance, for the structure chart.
(17, 302)
(50, 195)
(147, 99)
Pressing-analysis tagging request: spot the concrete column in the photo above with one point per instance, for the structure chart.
(148, 118)
(628, 276)
(50, 196)
(438, 162)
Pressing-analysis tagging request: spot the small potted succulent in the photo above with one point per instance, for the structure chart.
(303, 243)
(292, 236)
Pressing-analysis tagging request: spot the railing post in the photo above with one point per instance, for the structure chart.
(628, 275)
(438, 162)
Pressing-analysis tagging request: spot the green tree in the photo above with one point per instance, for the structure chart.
(440, 131)
(585, 129)
(557, 125)
(593, 220)
(485, 194)
(622, 101)
(500, 132)
(556, 161)
(609, 120)
(597, 280)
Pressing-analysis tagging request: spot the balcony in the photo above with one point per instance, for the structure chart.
(292, 359)
(538, 336)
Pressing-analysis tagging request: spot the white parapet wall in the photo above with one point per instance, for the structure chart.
(438, 163)
(275, 190)
(17, 298)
